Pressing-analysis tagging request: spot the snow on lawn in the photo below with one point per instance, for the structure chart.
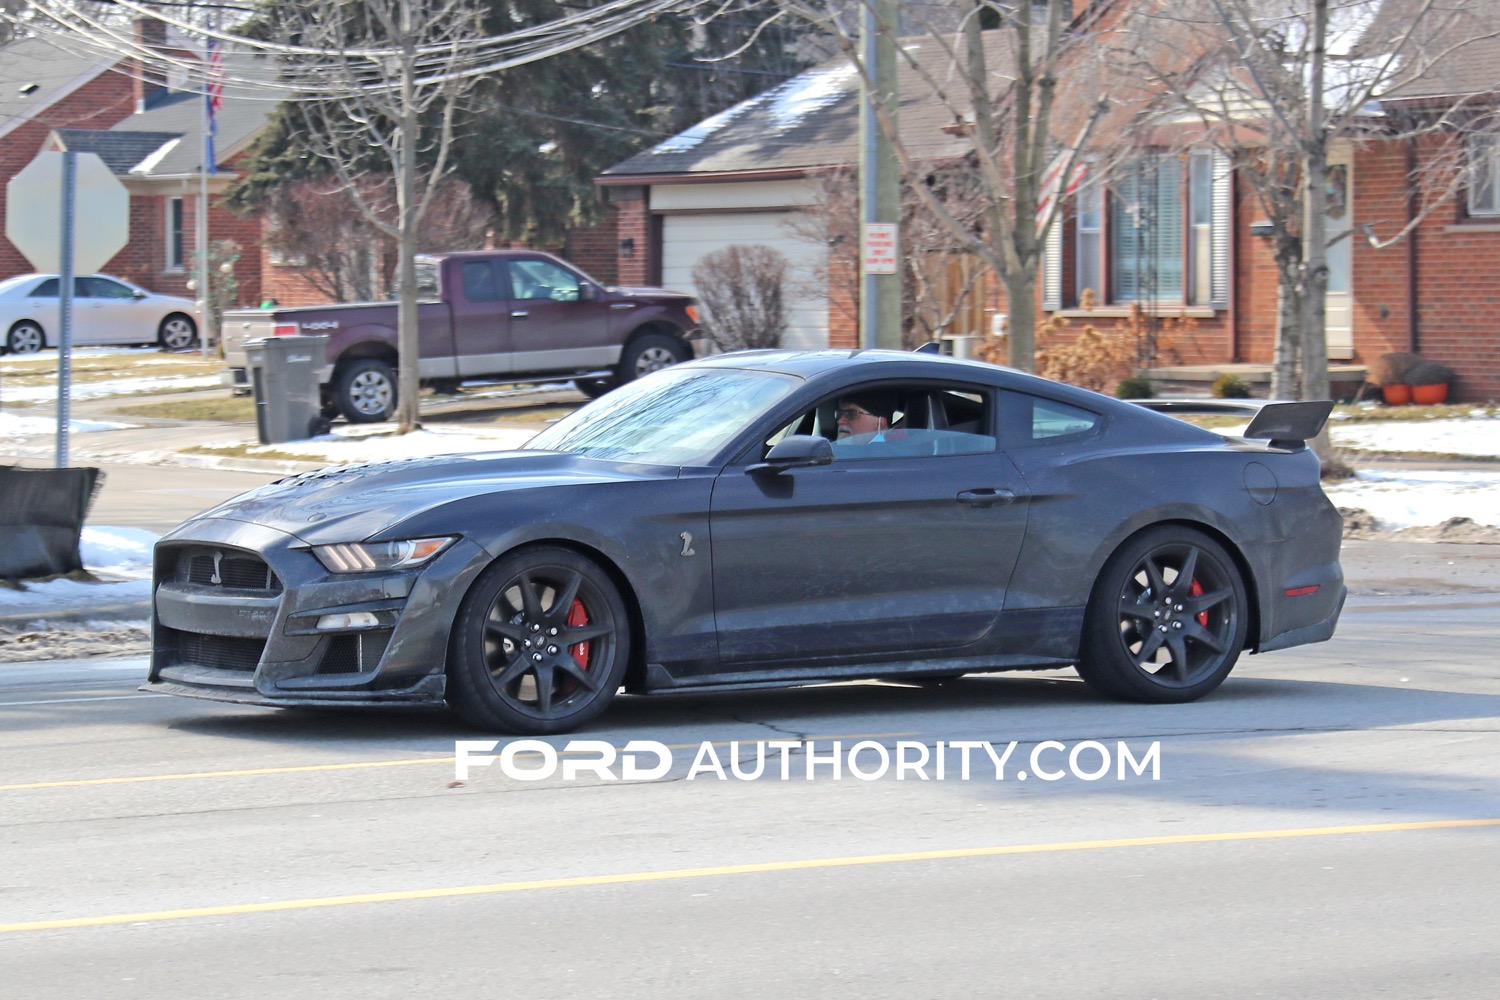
(379, 443)
(119, 556)
(14, 425)
(1406, 499)
(110, 387)
(1478, 437)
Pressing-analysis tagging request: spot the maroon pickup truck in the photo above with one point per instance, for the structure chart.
(518, 315)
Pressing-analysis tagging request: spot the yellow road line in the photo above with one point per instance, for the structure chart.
(750, 869)
(359, 765)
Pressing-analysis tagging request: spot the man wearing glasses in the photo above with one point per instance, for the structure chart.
(864, 418)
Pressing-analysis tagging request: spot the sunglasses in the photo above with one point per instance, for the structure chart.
(848, 413)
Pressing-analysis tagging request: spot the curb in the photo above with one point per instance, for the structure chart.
(125, 612)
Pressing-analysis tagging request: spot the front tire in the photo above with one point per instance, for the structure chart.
(177, 333)
(540, 644)
(648, 353)
(25, 338)
(1166, 620)
(365, 391)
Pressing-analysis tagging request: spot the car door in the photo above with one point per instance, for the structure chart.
(557, 319)
(111, 313)
(481, 320)
(900, 553)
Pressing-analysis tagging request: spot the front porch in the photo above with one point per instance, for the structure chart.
(1344, 380)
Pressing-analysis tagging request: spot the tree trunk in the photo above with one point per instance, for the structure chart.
(409, 350)
(1020, 294)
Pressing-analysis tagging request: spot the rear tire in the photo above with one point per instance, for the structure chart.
(539, 645)
(365, 390)
(594, 388)
(1167, 618)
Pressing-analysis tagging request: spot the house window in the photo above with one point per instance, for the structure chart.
(1145, 224)
(174, 234)
(1484, 175)
(1091, 239)
(1154, 231)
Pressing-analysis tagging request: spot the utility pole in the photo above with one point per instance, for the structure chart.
(879, 183)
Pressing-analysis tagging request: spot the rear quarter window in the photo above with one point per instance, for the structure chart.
(1030, 420)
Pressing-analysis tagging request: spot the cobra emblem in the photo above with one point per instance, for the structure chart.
(687, 543)
(216, 579)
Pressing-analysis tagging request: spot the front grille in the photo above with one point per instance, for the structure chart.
(225, 568)
(222, 652)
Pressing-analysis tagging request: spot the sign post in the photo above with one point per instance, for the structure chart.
(82, 185)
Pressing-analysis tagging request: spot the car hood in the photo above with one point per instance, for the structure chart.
(354, 502)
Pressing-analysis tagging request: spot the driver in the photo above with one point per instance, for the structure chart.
(864, 418)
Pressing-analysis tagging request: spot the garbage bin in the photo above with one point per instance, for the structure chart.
(284, 378)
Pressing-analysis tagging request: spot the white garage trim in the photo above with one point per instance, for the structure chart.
(688, 238)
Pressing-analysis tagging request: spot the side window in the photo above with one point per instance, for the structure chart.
(1032, 419)
(103, 288)
(541, 279)
(899, 422)
(46, 290)
(479, 281)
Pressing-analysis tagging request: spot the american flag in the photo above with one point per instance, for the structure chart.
(213, 94)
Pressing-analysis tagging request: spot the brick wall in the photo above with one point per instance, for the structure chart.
(633, 223)
(100, 103)
(595, 249)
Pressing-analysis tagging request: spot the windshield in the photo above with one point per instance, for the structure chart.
(671, 417)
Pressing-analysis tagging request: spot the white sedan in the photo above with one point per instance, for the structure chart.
(105, 311)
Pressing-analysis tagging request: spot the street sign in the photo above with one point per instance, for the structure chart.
(879, 251)
(33, 213)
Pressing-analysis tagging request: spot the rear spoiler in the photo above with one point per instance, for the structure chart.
(1284, 425)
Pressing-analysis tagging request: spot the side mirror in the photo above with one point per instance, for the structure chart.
(137, 294)
(587, 292)
(798, 451)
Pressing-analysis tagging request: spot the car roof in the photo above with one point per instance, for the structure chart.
(880, 364)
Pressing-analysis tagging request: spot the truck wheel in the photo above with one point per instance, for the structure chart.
(594, 388)
(650, 353)
(365, 391)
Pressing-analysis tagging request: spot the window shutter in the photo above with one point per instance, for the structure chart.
(1223, 227)
(1052, 269)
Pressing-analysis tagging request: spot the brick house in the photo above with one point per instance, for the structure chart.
(148, 129)
(744, 175)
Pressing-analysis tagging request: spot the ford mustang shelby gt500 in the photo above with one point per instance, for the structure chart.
(707, 526)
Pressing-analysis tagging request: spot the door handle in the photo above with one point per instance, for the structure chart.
(622, 305)
(985, 497)
(519, 314)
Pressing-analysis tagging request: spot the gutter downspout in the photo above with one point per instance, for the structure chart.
(1413, 257)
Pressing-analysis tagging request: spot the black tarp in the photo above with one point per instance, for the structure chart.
(41, 518)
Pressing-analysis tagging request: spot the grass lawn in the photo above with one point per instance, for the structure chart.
(222, 407)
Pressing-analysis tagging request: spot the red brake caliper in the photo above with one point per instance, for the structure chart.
(1196, 590)
(578, 616)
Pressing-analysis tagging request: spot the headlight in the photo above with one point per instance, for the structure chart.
(372, 557)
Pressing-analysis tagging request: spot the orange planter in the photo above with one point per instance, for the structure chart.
(1396, 395)
(1428, 395)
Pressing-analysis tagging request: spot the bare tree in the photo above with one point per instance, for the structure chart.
(1275, 84)
(1009, 75)
(743, 288)
(345, 257)
(390, 81)
(942, 278)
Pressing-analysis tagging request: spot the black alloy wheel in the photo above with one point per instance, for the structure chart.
(1167, 618)
(540, 645)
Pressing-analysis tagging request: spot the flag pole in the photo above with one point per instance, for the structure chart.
(207, 335)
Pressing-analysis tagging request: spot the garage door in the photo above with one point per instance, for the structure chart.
(686, 239)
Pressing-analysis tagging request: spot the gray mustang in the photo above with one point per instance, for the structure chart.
(707, 527)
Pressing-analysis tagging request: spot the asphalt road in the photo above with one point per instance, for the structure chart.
(1324, 826)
